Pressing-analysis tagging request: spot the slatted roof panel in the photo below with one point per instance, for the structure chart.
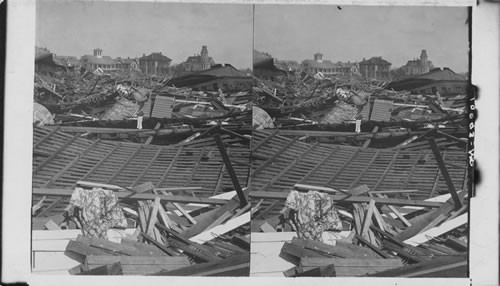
(280, 162)
(60, 160)
(381, 110)
(163, 107)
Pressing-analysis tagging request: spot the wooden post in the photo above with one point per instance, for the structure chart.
(230, 170)
(444, 172)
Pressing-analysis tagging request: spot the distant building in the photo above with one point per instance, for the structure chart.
(127, 64)
(97, 60)
(443, 81)
(347, 68)
(155, 63)
(326, 67)
(418, 66)
(375, 68)
(198, 62)
(224, 77)
(45, 61)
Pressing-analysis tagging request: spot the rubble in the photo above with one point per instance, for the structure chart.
(385, 173)
(150, 175)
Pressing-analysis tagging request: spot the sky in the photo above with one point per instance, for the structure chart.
(398, 34)
(124, 29)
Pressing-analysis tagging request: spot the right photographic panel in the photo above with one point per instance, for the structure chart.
(360, 161)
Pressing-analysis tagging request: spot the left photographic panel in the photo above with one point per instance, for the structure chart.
(142, 127)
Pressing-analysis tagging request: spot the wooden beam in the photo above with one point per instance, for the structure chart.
(346, 163)
(351, 199)
(221, 229)
(133, 196)
(273, 158)
(124, 164)
(444, 172)
(229, 167)
(146, 169)
(56, 153)
(289, 167)
(445, 227)
(89, 172)
(386, 171)
(150, 138)
(275, 132)
(367, 142)
(170, 166)
(368, 165)
(313, 170)
(47, 136)
(71, 164)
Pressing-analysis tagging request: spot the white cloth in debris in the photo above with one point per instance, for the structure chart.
(99, 211)
(358, 125)
(316, 213)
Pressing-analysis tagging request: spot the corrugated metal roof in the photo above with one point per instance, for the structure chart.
(381, 110)
(163, 107)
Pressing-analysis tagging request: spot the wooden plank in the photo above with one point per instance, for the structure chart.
(319, 189)
(153, 217)
(124, 164)
(353, 267)
(367, 142)
(288, 168)
(346, 163)
(51, 225)
(89, 172)
(447, 266)
(55, 153)
(235, 265)
(229, 167)
(48, 208)
(139, 264)
(112, 269)
(368, 219)
(437, 231)
(352, 199)
(273, 157)
(386, 171)
(47, 136)
(146, 169)
(132, 196)
(150, 138)
(170, 166)
(71, 164)
(444, 172)
(221, 229)
(313, 170)
(269, 137)
(266, 227)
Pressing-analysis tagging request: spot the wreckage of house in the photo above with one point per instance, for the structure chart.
(326, 174)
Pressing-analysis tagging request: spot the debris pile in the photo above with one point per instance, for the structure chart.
(180, 209)
(318, 102)
(91, 99)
